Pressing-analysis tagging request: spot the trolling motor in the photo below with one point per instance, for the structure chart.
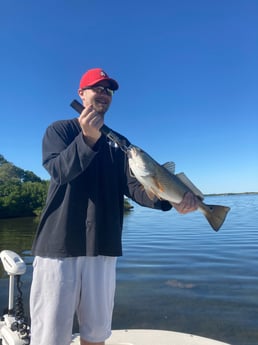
(13, 328)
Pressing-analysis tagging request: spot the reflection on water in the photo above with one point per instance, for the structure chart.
(176, 272)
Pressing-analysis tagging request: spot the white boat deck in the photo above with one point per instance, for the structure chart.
(153, 337)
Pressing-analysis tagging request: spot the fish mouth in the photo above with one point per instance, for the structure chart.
(131, 151)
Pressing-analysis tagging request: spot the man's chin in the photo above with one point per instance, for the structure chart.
(101, 109)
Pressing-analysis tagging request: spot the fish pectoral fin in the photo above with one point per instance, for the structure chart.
(158, 185)
(151, 194)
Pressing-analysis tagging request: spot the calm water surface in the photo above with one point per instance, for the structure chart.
(176, 272)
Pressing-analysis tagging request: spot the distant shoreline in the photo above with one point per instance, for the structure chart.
(221, 194)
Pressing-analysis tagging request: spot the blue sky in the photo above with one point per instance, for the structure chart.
(188, 75)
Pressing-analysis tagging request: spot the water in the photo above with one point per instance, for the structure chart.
(176, 272)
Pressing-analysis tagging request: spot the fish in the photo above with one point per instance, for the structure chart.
(162, 182)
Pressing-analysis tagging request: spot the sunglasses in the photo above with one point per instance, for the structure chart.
(100, 89)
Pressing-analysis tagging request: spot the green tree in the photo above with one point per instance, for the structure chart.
(8, 172)
(2, 160)
(22, 193)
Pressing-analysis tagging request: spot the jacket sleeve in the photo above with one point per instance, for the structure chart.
(65, 153)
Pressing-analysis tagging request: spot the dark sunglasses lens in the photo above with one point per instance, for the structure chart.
(101, 89)
(109, 91)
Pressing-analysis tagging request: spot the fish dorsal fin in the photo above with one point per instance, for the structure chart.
(170, 166)
(182, 177)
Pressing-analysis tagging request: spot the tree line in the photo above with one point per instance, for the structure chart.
(22, 193)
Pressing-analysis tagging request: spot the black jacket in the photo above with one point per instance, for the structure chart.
(84, 208)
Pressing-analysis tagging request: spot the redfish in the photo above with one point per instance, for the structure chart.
(162, 182)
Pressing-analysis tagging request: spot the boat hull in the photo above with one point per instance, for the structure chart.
(153, 337)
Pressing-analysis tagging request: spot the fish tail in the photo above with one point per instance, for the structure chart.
(215, 214)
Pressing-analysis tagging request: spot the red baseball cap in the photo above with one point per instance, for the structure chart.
(94, 76)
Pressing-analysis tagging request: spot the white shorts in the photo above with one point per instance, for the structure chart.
(62, 287)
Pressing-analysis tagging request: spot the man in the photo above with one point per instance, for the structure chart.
(79, 235)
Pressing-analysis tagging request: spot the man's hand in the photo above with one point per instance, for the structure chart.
(188, 204)
(91, 122)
